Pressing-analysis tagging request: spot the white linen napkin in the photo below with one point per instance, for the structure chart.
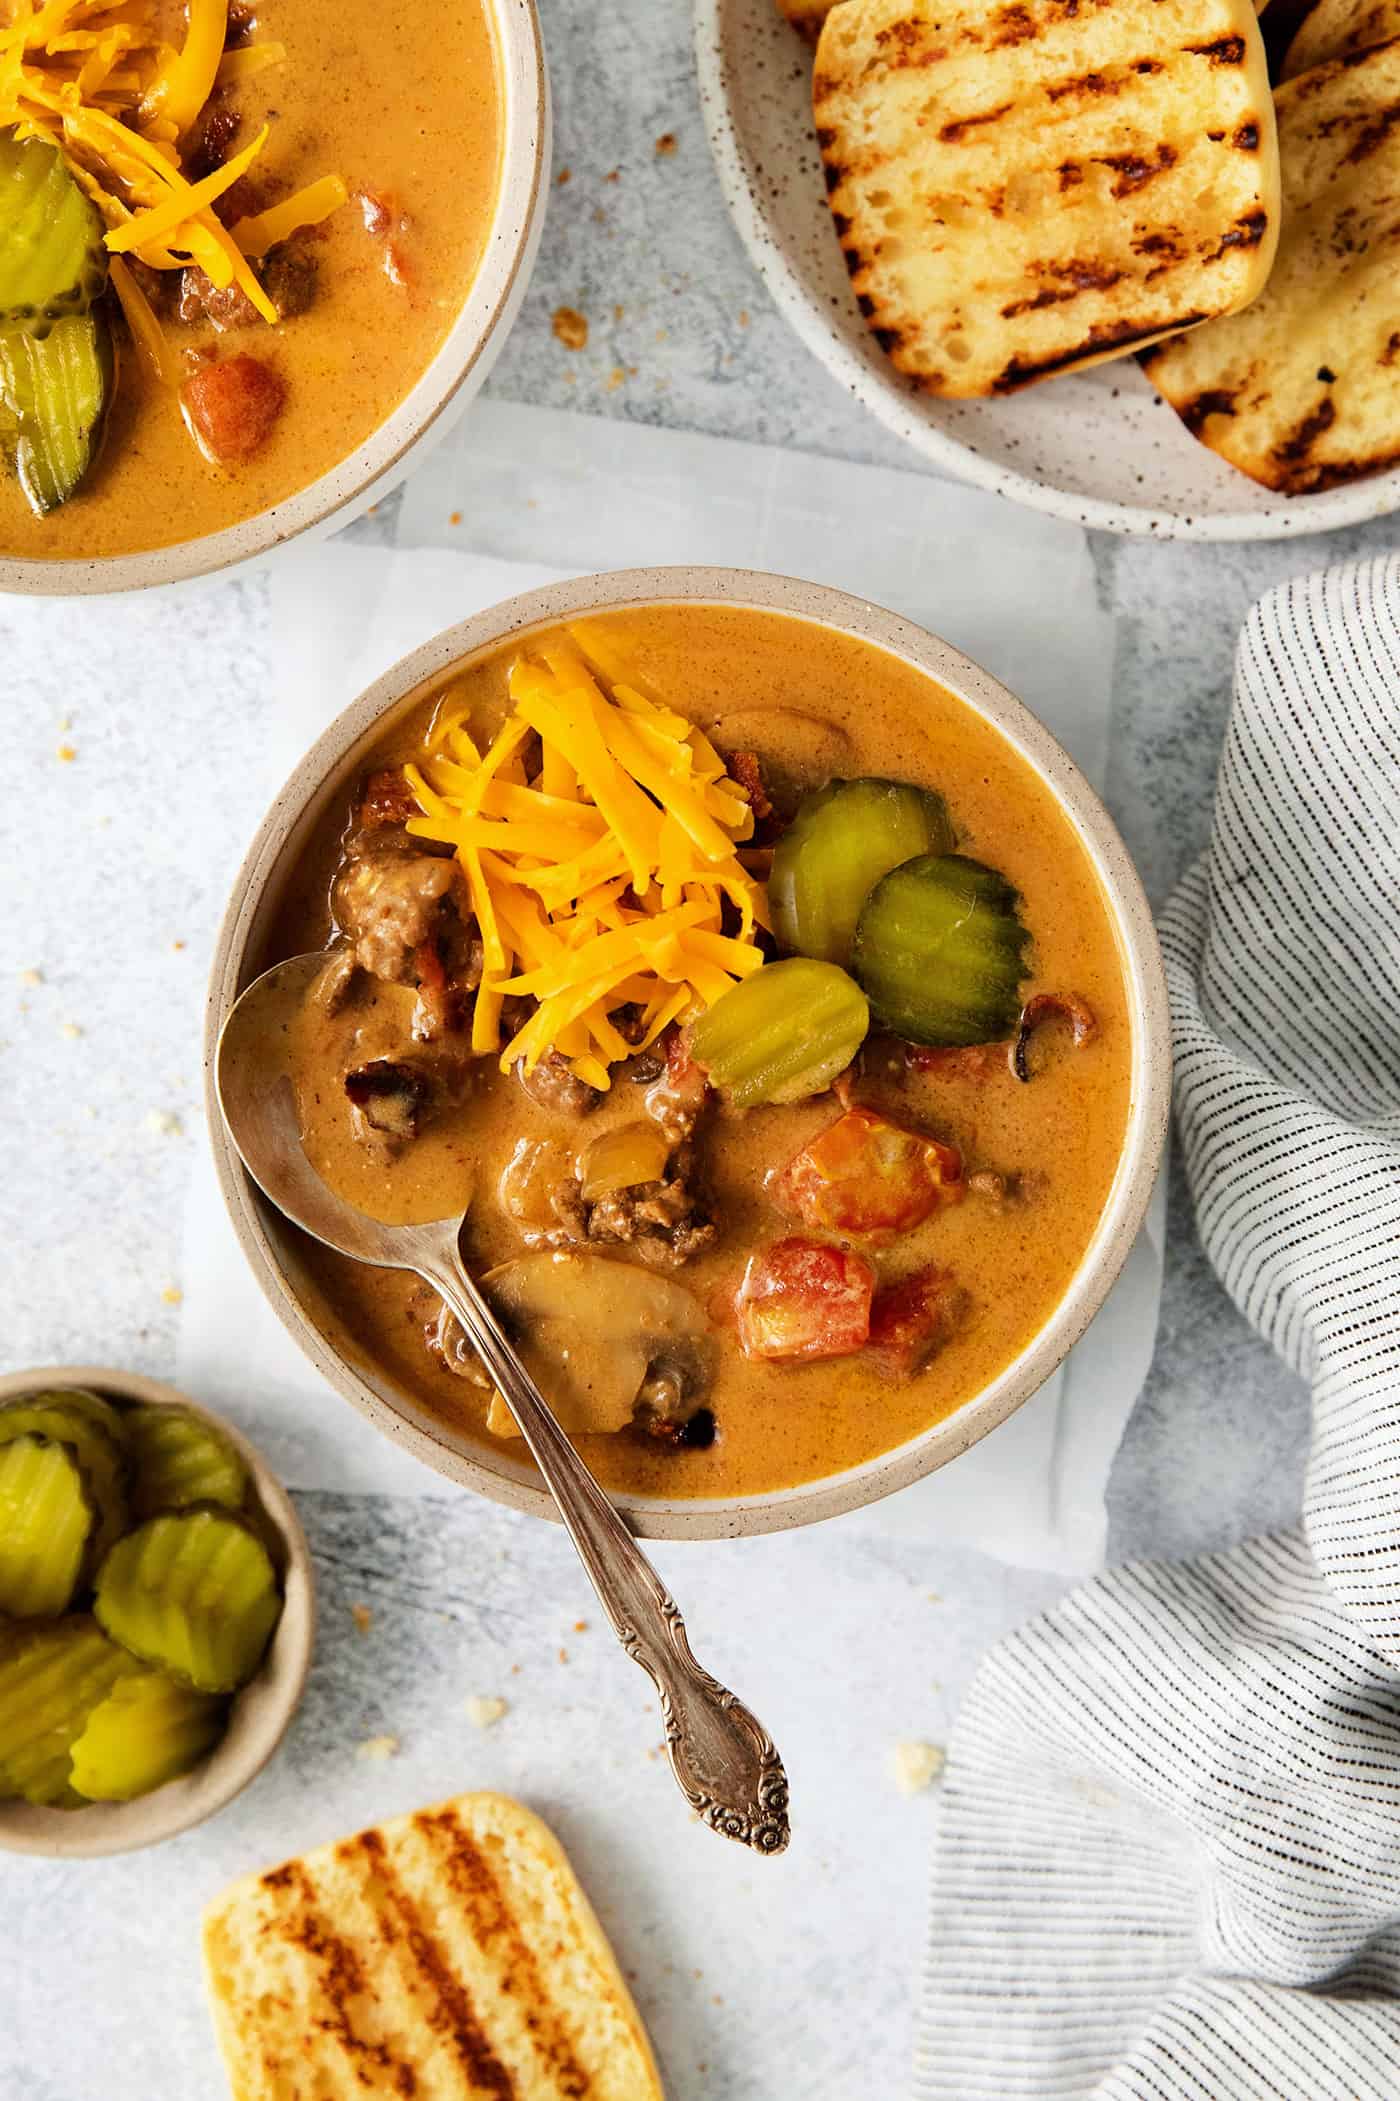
(1169, 1865)
(576, 491)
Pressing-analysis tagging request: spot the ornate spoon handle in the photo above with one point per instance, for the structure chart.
(725, 1761)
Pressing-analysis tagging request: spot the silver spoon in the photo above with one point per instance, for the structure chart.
(725, 1761)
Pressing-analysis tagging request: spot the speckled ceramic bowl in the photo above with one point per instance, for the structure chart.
(259, 1715)
(1100, 447)
(323, 780)
(428, 412)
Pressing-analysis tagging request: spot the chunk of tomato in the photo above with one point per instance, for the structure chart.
(868, 1177)
(801, 1300)
(231, 406)
(911, 1320)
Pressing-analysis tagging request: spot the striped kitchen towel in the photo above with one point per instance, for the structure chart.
(1169, 1864)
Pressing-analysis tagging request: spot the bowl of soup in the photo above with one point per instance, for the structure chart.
(252, 259)
(773, 998)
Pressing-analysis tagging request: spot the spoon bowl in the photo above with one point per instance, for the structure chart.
(724, 1760)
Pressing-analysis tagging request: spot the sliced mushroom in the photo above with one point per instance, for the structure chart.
(796, 748)
(592, 1330)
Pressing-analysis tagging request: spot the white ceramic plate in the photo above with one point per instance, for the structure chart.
(1100, 448)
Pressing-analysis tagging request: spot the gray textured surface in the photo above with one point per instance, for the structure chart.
(113, 858)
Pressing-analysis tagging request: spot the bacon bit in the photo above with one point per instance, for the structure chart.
(387, 799)
(230, 407)
(801, 1300)
(666, 145)
(965, 1061)
(1077, 1016)
(866, 1176)
(913, 1319)
(744, 770)
(383, 219)
(377, 212)
(677, 1100)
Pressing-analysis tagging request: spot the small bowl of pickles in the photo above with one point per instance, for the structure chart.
(156, 1612)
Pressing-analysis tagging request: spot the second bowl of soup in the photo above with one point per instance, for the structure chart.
(249, 260)
(772, 996)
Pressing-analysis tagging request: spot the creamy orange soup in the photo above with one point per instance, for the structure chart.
(405, 106)
(1037, 1159)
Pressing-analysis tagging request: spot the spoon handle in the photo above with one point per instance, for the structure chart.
(725, 1761)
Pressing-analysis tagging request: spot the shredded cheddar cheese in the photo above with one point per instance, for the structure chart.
(94, 78)
(608, 878)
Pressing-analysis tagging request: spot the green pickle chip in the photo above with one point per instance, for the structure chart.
(782, 1034)
(195, 1592)
(180, 1460)
(941, 951)
(46, 1518)
(51, 1679)
(53, 255)
(842, 840)
(92, 1430)
(149, 1729)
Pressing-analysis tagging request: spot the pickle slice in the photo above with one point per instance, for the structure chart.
(180, 1460)
(149, 1729)
(46, 1518)
(940, 949)
(840, 843)
(193, 1591)
(782, 1034)
(53, 258)
(52, 394)
(51, 1679)
(92, 1430)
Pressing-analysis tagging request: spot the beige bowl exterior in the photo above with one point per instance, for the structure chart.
(259, 1715)
(324, 775)
(428, 412)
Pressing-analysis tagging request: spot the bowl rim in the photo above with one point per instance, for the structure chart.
(261, 1712)
(895, 403)
(422, 417)
(831, 1495)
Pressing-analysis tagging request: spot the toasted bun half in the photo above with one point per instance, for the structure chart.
(1336, 28)
(1020, 189)
(1303, 391)
(450, 1955)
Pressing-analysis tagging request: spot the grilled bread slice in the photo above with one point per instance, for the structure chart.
(450, 1954)
(1303, 391)
(1027, 186)
(1336, 28)
(806, 15)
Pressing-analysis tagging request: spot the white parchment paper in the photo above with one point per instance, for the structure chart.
(536, 495)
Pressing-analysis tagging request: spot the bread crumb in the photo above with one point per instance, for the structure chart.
(376, 1749)
(618, 312)
(177, 946)
(743, 317)
(580, 1626)
(483, 1712)
(172, 1295)
(363, 1618)
(454, 517)
(571, 327)
(31, 977)
(563, 1655)
(613, 175)
(917, 1766)
(67, 754)
(564, 175)
(616, 378)
(72, 1031)
(164, 1123)
(666, 145)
